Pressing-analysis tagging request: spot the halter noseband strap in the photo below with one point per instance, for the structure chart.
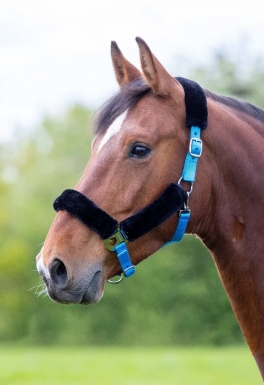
(173, 199)
(133, 227)
(114, 234)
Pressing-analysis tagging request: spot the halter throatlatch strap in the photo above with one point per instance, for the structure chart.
(145, 220)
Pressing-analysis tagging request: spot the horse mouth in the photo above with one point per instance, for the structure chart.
(78, 293)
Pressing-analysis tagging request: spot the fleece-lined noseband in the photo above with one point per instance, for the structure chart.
(173, 199)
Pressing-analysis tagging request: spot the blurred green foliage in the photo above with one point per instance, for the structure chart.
(176, 296)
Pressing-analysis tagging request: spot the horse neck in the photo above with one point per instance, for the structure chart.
(230, 177)
(230, 217)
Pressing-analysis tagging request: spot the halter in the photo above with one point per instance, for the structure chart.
(173, 199)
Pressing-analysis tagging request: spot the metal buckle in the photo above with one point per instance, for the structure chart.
(118, 237)
(198, 144)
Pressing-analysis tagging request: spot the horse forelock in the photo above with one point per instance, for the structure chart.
(126, 98)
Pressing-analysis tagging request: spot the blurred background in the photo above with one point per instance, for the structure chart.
(55, 70)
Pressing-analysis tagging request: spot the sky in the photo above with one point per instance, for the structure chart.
(54, 53)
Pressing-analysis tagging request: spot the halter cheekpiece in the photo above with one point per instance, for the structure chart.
(173, 199)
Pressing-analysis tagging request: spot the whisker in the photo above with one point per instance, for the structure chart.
(42, 293)
(40, 289)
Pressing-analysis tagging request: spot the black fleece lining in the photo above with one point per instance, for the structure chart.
(87, 212)
(196, 104)
(151, 216)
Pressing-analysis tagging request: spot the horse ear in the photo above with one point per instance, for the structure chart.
(125, 71)
(157, 77)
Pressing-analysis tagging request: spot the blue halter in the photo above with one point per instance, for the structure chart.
(188, 175)
(196, 120)
(116, 235)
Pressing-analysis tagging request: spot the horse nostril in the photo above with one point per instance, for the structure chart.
(58, 272)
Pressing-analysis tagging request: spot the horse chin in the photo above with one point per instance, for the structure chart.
(94, 291)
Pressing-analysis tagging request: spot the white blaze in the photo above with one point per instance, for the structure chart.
(112, 130)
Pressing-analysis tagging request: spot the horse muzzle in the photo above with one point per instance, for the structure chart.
(87, 287)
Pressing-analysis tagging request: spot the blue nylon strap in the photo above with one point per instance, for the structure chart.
(124, 259)
(184, 217)
(191, 160)
(188, 175)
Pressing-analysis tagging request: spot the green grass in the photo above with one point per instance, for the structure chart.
(127, 366)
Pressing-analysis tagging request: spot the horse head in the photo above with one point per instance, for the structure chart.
(138, 151)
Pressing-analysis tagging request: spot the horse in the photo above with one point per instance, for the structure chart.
(166, 155)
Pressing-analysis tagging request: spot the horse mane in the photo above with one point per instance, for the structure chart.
(126, 98)
(129, 95)
(248, 108)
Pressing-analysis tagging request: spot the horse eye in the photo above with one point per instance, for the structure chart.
(139, 151)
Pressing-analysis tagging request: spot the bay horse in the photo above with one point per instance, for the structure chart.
(148, 175)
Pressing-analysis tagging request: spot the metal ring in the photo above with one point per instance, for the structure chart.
(188, 192)
(117, 281)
